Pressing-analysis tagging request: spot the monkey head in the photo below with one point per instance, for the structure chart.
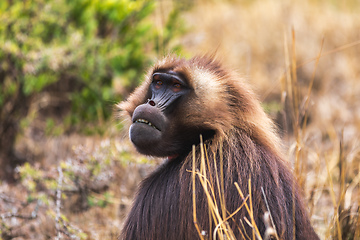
(176, 103)
(183, 99)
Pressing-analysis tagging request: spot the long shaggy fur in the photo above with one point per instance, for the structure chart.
(244, 141)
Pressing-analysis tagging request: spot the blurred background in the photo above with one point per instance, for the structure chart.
(67, 168)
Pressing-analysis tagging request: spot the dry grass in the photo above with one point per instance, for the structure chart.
(218, 214)
(302, 57)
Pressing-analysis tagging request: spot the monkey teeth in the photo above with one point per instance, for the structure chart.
(140, 120)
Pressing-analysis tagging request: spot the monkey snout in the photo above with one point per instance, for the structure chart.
(150, 115)
(146, 132)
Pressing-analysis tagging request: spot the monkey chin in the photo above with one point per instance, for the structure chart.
(144, 136)
(149, 141)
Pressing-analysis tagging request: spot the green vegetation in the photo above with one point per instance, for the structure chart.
(83, 55)
(85, 44)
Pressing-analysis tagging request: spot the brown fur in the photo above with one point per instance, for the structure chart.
(244, 136)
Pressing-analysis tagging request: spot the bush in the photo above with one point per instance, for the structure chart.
(75, 50)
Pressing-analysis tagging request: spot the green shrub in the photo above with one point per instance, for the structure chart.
(85, 44)
(82, 49)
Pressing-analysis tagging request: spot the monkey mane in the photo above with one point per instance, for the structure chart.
(270, 180)
(237, 107)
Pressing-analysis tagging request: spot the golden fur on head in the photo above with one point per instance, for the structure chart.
(226, 100)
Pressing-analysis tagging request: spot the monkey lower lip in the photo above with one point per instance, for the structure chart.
(146, 122)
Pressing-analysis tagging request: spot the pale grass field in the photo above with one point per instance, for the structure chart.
(302, 57)
(315, 101)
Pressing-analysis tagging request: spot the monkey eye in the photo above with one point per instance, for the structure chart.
(174, 82)
(176, 87)
(159, 82)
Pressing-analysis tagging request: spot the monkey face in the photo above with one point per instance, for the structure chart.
(152, 128)
(179, 101)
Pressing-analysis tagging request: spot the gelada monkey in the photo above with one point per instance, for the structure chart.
(181, 100)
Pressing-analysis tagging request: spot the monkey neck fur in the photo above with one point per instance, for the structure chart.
(168, 192)
(221, 147)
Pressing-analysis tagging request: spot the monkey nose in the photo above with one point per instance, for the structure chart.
(151, 102)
